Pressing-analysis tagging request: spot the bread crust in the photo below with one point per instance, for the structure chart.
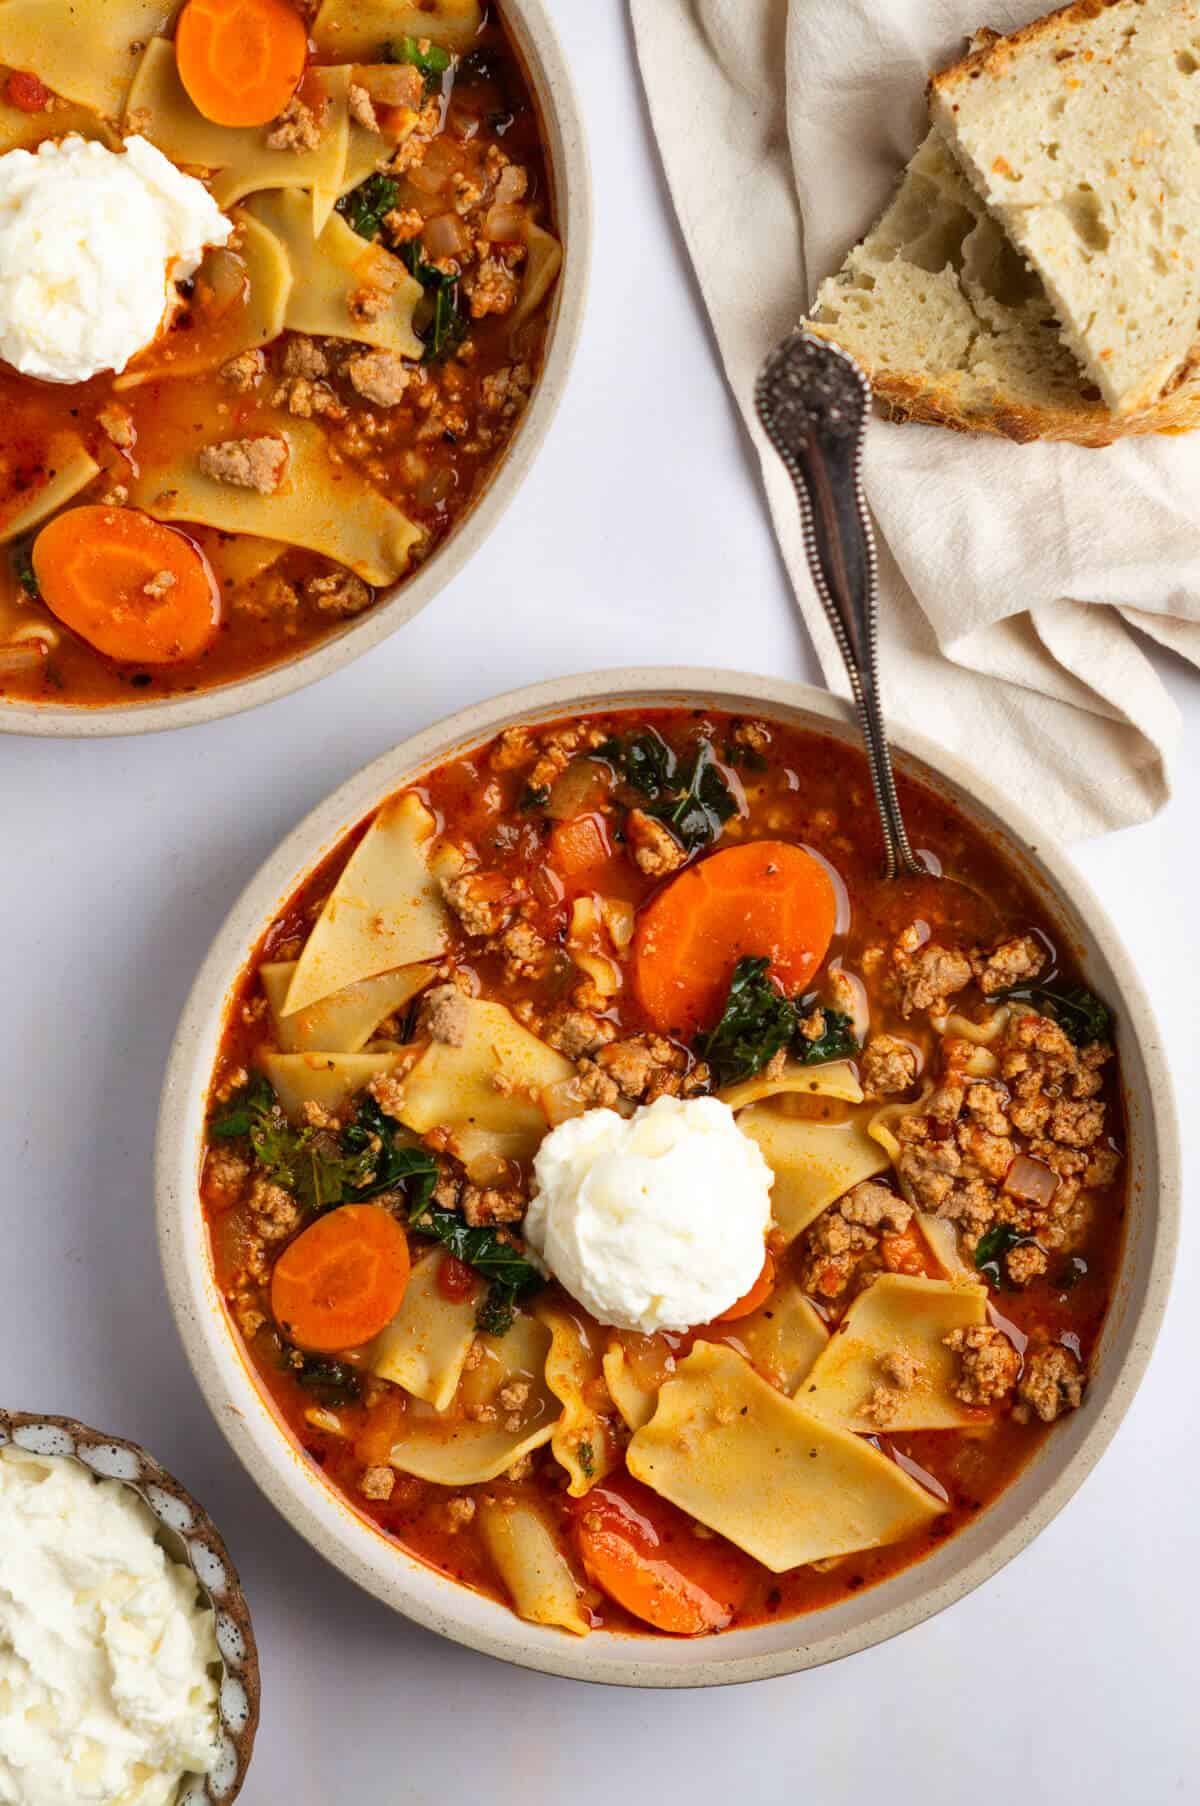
(904, 398)
(998, 49)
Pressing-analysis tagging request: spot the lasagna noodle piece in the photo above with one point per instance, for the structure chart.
(160, 109)
(814, 1163)
(487, 1091)
(425, 1346)
(384, 911)
(832, 1078)
(530, 1561)
(323, 1079)
(248, 326)
(353, 30)
(85, 53)
(330, 270)
(584, 1440)
(343, 1022)
(27, 499)
(456, 1450)
(908, 1318)
(755, 1467)
(322, 504)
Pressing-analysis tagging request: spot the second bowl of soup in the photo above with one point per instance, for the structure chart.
(644, 1242)
(276, 352)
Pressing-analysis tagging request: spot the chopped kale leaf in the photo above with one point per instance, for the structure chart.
(440, 323)
(586, 1457)
(432, 61)
(698, 813)
(319, 1167)
(330, 1382)
(758, 1021)
(511, 1276)
(694, 807)
(836, 1042)
(1080, 1014)
(534, 796)
(23, 571)
(495, 1315)
(992, 1246)
(364, 207)
(242, 1111)
(383, 1162)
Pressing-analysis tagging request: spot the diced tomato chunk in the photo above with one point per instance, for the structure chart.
(25, 91)
(455, 1279)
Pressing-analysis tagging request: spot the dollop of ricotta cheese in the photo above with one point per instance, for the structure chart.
(655, 1221)
(91, 241)
(106, 1654)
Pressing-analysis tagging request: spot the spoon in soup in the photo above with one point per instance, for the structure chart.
(813, 402)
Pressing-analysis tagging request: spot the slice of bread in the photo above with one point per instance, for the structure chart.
(954, 330)
(1081, 133)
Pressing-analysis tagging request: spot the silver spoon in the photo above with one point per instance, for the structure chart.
(813, 401)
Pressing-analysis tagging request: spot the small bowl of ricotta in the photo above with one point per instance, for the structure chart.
(127, 1659)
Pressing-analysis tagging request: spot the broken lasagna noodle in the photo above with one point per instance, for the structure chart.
(331, 389)
(935, 1093)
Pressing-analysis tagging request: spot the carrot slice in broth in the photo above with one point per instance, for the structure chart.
(240, 60)
(131, 587)
(765, 898)
(343, 1280)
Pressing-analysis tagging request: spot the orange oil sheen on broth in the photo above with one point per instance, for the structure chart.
(173, 414)
(815, 791)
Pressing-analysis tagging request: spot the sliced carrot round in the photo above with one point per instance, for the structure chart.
(342, 1281)
(758, 1294)
(765, 898)
(240, 60)
(646, 1555)
(130, 586)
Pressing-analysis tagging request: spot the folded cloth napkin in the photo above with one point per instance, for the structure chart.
(1010, 574)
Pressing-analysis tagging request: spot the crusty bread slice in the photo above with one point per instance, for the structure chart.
(953, 329)
(1080, 133)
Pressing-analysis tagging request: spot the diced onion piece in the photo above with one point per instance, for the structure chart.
(581, 787)
(428, 181)
(22, 659)
(1031, 1180)
(445, 236)
(443, 159)
(222, 280)
(392, 84)
(505, 224)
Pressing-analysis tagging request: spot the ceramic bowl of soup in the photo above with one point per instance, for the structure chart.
(349, 296)
(625, 1234)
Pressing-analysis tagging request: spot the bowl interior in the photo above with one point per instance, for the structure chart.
(532, 30)
(866, 1618)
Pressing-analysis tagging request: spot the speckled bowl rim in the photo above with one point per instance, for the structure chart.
(107, 1457)
(866, 1618)
(530, 24)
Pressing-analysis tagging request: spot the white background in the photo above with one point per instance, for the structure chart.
(641, 537)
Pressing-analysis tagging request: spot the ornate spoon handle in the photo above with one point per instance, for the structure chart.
(812, 400)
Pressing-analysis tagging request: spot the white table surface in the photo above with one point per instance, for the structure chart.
(1072, 1675)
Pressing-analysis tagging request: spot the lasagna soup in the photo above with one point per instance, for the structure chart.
(275, 279)
(639, 1210)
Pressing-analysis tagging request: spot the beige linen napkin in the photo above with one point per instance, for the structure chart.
(1009, 572)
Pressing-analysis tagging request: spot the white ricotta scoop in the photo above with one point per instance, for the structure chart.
(652, 1222)
(90, 242)
(106, 1656)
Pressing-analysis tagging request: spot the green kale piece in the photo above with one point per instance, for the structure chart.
(433, 61)
(364, 207)
(1080, 1014)
(758, 1021)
